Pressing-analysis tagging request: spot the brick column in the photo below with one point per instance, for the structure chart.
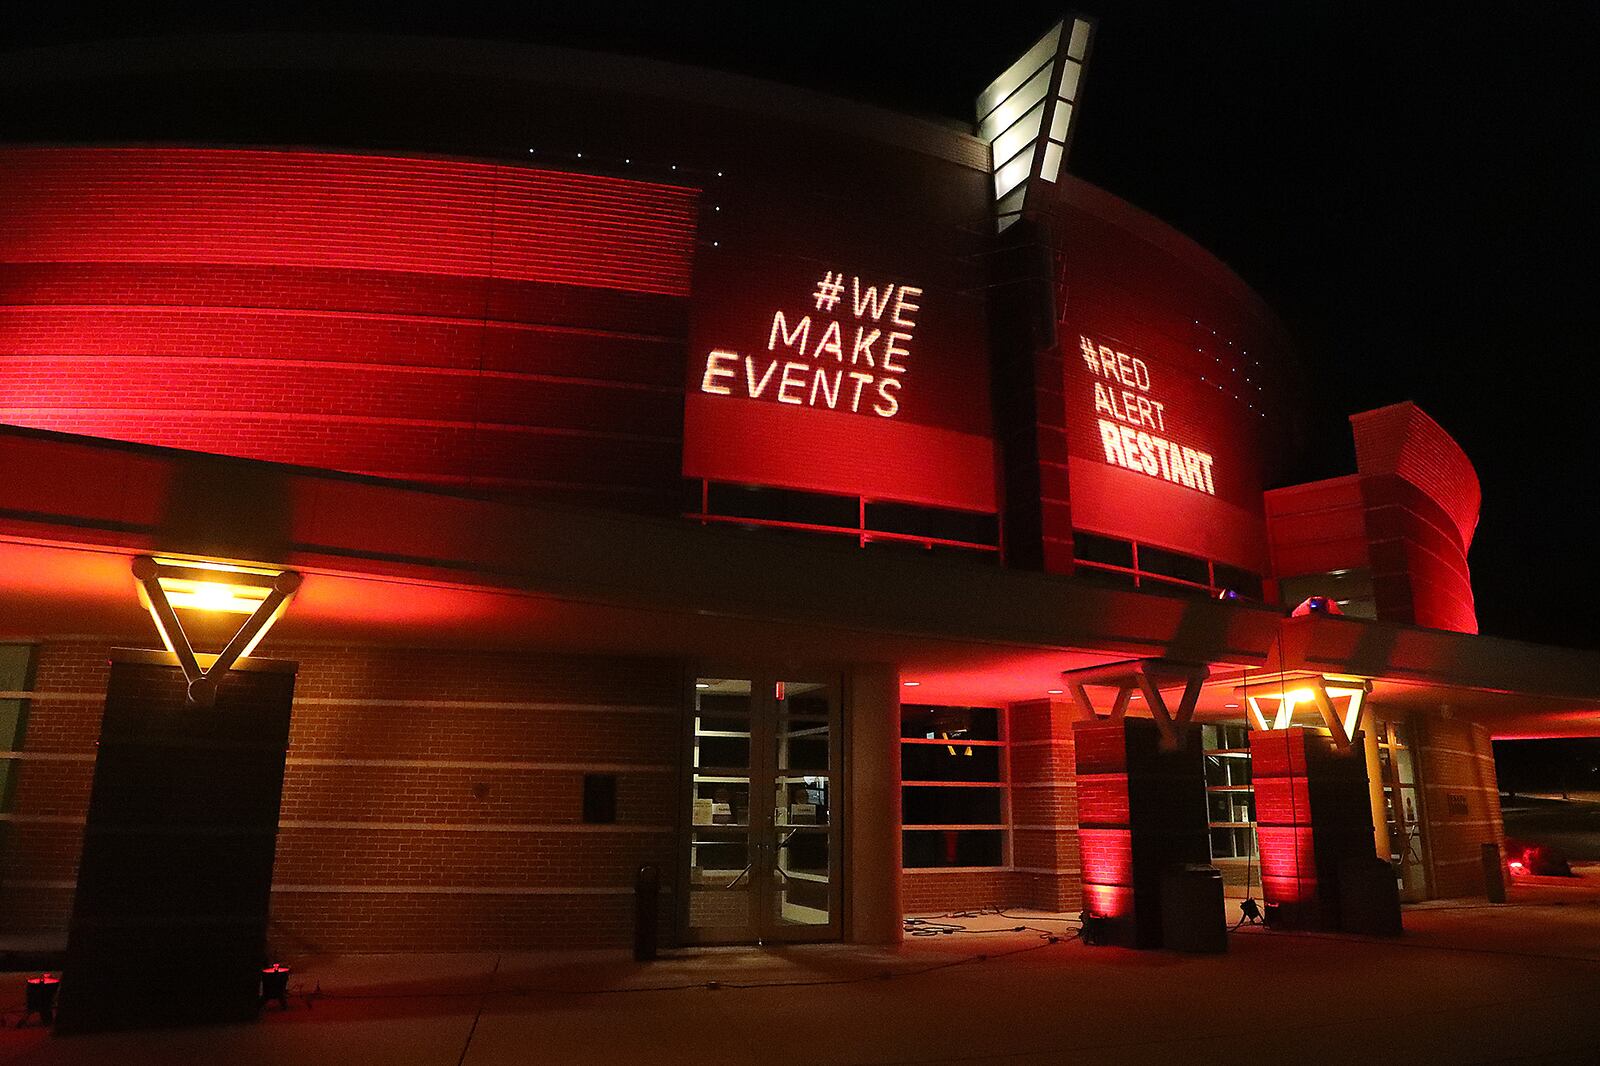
(1044, 805)
(1313, 811)
(1140, 810)
(1460, 800)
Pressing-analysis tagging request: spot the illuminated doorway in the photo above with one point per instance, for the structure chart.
(763, 818)
(1402, 802)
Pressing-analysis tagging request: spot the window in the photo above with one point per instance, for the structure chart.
(1351, 589)
(1093, 548)
(1230, 799)
(1243, 582)
(872, 523)
(16, 676)
(1111, 561)
(1162, 563)
(953, 771)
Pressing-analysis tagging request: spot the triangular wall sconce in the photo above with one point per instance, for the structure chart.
(168, 585)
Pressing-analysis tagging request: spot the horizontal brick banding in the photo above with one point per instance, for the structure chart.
(448, 322)
(432, 799)
(936, 891)
(1044, 806)
(313, 922)
(182, 205)
(479, 796)
(435, 859)
(1456, 758)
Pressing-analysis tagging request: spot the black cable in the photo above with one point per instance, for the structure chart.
(931, 927)
(1041, 917)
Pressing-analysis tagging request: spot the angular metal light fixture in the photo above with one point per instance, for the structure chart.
(167, 586)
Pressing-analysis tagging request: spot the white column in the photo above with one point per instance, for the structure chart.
(1380, 822)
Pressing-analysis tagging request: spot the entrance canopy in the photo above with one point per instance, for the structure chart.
(385, 563)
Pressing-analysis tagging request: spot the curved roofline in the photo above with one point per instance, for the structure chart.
(517, 61)
(513, 61)
(1168, 238)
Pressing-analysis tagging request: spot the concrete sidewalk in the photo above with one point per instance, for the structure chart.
(1469, 983)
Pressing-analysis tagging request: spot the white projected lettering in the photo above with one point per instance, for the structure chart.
(1133, 423)
(847, 352)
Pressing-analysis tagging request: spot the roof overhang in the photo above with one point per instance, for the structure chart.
(387, 563)
(390, 563)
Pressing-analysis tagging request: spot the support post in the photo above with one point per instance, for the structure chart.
(874, 911)
(1383, 847)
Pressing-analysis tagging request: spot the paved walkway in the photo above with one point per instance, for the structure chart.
(1469, 983)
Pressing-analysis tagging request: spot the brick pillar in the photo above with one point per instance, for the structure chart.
(1140, 810)
(1460, 800)
(1044, 805)
(1313, 811)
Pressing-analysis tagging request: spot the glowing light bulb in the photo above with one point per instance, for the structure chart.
(210, 596)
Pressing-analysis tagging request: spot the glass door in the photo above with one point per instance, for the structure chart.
(764, 819)
(718, 886)
(1402, 806)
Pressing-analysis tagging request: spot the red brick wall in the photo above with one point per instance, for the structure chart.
(947, 891)
(432, 800)
(514, 328)
(1456, 758)
(44, 829)
(1106, 841)
(1044, 806)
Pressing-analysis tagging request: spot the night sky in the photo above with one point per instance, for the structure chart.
(1413, 191)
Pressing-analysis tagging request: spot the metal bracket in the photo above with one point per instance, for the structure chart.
(1148, 676)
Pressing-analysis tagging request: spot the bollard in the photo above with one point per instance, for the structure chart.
(1494, 873)
(646, 909)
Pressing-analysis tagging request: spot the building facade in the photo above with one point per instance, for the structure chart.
(649, 443)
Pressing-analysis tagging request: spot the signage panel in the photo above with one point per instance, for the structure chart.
(839, 366)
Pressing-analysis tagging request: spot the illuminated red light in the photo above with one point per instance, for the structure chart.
(911, 684)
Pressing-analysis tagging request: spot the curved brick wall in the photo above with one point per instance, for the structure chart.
(458, 323)
(1422, 496)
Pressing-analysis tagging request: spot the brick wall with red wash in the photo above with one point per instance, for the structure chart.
(1105, 819)
(453, 323)
(1408, 514)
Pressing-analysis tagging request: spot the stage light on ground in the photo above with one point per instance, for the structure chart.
(41, 999)
(275, 985)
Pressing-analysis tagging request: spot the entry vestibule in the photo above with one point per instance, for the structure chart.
(764, 810)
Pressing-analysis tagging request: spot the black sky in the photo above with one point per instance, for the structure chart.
(1412, 186)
